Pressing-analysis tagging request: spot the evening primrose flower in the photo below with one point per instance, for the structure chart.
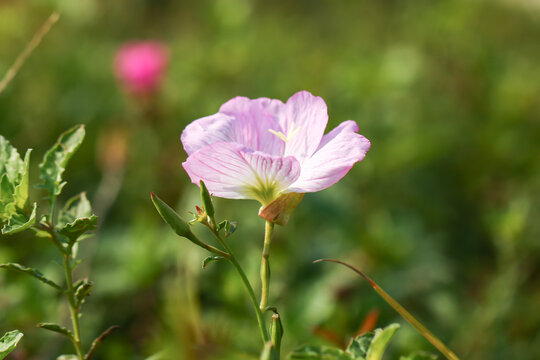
(263, 148)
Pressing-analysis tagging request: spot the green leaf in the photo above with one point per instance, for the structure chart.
(20, 222)
(83, 290)
(211, 259)
(56, 158)
(11, 163)
(419, 355)
(9, 341)
(32, 272)
(21, 188)
(7, 200)
(78, 207)
(229, 226)
(359, 347)
(380, 341)
(310, 352)
(56, 328)
(80, 226)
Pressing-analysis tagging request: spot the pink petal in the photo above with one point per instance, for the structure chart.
(206, 131)
(338, 151)
(252, 121)
(232, 171)
(308, 115)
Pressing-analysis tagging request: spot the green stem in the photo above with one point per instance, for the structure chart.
(260, 318)
(73, 309)
(265, 265)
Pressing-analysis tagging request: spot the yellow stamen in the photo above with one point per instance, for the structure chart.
(291, 133)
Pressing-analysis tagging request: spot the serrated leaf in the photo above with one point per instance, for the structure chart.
(77, 207)
(80, 226)
(32, 272)
(82, 290)
(9, 341)
(56, 158)
(56, 328)
(211, 259)
(311, 352)
(380, 341)
(20, 222)
(419, 355)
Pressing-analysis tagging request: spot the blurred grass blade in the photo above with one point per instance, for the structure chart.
(14, 69)
(449, 354)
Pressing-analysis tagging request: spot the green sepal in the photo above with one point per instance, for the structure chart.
(20, 222)
(56, 158)
(56, 328)
(320, 352)
(9, 341)
(32, 272)
(280, 210)
(207, 200)
(419, 355)
(211, 259)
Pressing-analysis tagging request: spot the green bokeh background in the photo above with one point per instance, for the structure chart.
(443, 213)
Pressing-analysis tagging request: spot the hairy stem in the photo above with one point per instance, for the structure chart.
(73, 309)
(265, 265)
(260, 318)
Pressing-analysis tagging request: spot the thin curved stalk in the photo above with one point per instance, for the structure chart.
(260, 318)
(449, 354)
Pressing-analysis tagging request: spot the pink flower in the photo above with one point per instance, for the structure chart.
(140, 65)
(262, 148)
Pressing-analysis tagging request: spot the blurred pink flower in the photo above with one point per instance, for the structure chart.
(140, 66)
(263, 148)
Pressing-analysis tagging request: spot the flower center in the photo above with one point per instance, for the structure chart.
(293, 130)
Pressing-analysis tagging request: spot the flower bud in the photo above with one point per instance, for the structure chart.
(207, 200)
(276, 331)
(174, 220)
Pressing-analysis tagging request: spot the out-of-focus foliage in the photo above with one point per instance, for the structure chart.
(443, 212)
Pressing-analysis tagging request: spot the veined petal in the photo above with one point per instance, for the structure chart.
(252, 121)
(206, 131)
(233, 171)
(338, 151)
(303, 125)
